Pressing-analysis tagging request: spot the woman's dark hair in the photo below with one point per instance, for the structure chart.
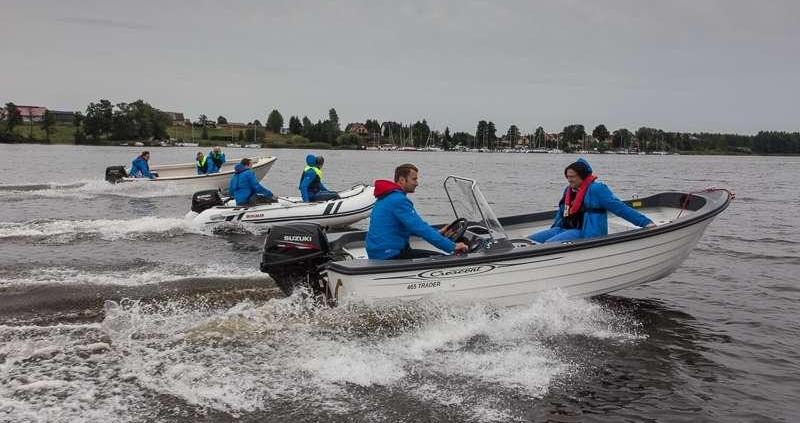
(245, 162)
(580, 168)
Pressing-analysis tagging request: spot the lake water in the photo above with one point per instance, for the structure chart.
(113, 308)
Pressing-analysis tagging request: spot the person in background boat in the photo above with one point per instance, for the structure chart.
(245, 188)
(201, 163)
(216, 158)
(583, 206)
(140, 167)
(393, 220)
(311, 187)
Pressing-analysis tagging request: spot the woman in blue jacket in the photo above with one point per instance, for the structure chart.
(582, 209)
(216, 158)
(244, 186)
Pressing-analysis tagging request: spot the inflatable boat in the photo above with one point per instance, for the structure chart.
(209, 207)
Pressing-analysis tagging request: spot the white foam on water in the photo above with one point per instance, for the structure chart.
(148, 273)
(62, 373)
(287, 350)
(93, 188)
(65, 231)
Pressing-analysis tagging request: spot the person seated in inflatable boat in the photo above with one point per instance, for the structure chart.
(140, 167)
(201, 163)
(394, 220)
(244, 187)
(216, 158)
(583, 206)
(311, 187)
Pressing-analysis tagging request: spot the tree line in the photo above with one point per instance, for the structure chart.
(103, 120)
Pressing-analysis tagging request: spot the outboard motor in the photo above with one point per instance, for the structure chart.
(292, 255)
(204, 200)
(115, 174)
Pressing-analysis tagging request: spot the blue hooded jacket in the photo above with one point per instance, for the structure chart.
(599, 197)
(244, 185)
(394, 220)
(308, 187)
(140, 169)
(212, 165)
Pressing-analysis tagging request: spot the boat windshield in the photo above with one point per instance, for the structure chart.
(468, 202)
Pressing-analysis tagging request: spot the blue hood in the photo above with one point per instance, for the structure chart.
(239, 168)
(588, 166)
(311, 160)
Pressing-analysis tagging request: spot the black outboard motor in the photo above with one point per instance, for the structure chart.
(115, 174)
(292, 254)
(204, 200)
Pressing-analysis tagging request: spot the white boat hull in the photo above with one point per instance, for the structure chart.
(185, 175)
(354, 204)
(627, 257)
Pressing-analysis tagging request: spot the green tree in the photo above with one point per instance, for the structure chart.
(420, 132)
(48, 122)
(491, 135)
(77, 121)
(600, 133)
(348, 139)
(513, 135)
(99, 119)
(13, 117)
(333, 117)
(295, 127)
(622, 138)
(274, 121)
(447, 141)
(539, 138)
(574, 133)
(241, 136)
(481, 133)
(222, 120)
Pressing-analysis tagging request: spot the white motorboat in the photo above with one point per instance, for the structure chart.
(185, 175)
(355, 204)
(503, 266)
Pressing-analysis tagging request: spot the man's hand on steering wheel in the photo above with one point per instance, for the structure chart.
(461, 248)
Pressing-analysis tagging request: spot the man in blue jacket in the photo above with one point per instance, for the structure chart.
(216, 158)
(394, 220)
(140, 167)
(582, 209)
(244, 186)
(311, 187)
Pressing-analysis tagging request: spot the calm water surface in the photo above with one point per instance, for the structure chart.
(113, 308)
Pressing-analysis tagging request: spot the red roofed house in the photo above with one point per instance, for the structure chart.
(357, 128)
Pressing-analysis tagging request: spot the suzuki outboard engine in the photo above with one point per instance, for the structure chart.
(292, 255)
(115, 174)
(204, 200)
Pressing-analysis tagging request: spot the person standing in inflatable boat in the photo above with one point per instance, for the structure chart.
(582, 209)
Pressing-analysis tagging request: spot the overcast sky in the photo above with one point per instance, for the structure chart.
(692, 65)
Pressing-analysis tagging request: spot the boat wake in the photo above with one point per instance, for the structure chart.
(290, 353)
(88, 189)
(68, 231)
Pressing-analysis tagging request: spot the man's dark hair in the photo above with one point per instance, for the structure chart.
(320, 161)
(245, 162)
(145, 153)
(404, 170)
(580, 168)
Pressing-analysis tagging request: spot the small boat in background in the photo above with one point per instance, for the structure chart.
(208, 207)
(185, 174)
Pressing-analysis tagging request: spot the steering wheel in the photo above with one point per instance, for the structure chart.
(454, 231)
